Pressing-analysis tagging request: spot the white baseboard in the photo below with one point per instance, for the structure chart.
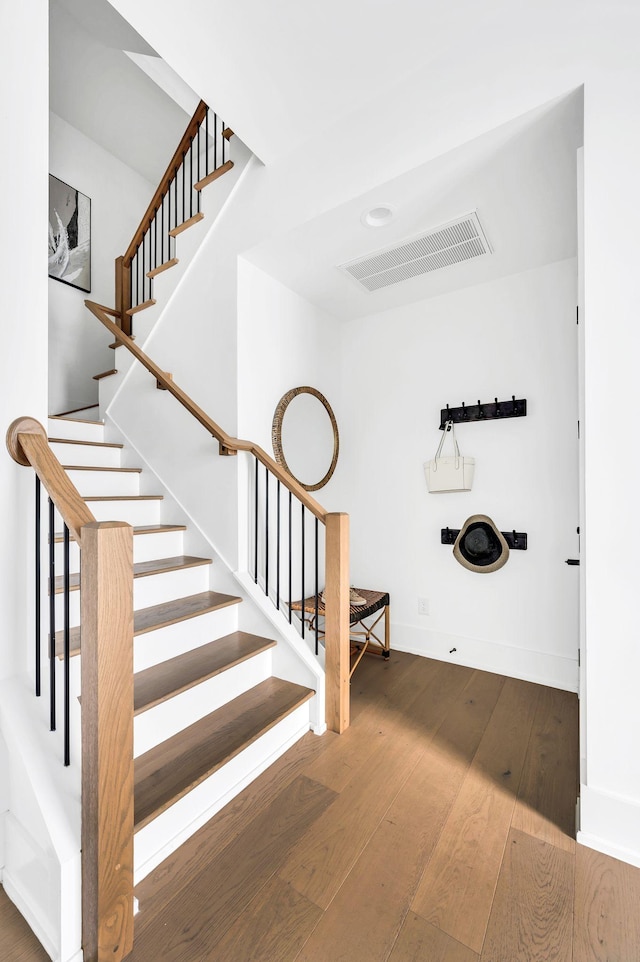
(540, 667)
(610, 824)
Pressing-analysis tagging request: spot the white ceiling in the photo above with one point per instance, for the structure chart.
(521, 179)
(98, 89)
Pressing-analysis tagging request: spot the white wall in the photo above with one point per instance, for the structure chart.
(23, 361)
(284, 342)
(119, 196)
(516, 336)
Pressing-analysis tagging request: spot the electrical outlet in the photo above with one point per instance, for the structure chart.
(423, 606)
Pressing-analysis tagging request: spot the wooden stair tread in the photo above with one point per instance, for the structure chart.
(100, 467)
(213, 175)
(142, 569)
(91, 444)
(124, 497)
(160, 616)
(141, 307)
(87, 407)
(156, 684)
(163, 267)
(170, 770)
(62, 417)
(98, 377)
(170, 612)
(139, 530)
(186, 224)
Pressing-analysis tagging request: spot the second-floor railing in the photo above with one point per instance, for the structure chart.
(199, 158)
(278, 545)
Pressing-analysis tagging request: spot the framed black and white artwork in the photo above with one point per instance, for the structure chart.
(69, 235)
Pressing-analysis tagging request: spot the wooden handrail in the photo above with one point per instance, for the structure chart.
(176, 160)
(28, 445)
(228, 445)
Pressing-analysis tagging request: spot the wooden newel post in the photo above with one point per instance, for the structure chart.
(123, 294)
(337, 621)
(107, 740)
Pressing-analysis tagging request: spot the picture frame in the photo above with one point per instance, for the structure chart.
(69, 249)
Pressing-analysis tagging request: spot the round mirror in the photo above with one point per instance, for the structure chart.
(305, 427)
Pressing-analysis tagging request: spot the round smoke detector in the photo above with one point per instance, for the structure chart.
(378, 216)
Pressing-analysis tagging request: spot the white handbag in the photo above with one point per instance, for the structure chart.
(450, 473)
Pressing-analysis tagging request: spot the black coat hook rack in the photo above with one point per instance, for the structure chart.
(517, 540)
(484, 412)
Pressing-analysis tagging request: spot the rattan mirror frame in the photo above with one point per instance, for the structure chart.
(276, 433)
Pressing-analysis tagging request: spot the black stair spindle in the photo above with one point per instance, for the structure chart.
(255, 526)
(191, 177)
(38, 589)
(266, 531)
(316, 581)
(290, 559)
(215, 141)
(67, 654)
(302, 566)
(198, 168)
(206, 142)
(184, 192)
(52, 619)
(278, 545)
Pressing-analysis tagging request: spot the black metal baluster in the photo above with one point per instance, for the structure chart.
(278, 545)
(67, 656)
(266, 531)
(198, 167)
(184, 203)
(316, 581)
(255, 527)
(302, 570)
(215, 141)
(155, 239)
(290, 559)
(162, 206)
(144, 268)
(52, 619)
(38, 590)
(191, 177)
(206, 142)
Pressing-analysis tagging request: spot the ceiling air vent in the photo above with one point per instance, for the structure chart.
(459, 240)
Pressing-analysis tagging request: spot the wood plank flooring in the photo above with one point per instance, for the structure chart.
(438, 828)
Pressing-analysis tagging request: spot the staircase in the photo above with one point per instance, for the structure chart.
(209, 714)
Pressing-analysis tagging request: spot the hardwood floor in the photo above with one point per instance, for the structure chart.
(438, 828)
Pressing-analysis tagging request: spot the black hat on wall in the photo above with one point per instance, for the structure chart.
(480, 546)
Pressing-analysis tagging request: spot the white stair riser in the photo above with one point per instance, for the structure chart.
(157, 840)
(171, 716)
(155, 589)
(155, 646)
(133, 512)
(89, 455)
(165, 544)
(75, 430)
(147, 547)
(103, 483)
(151, 590)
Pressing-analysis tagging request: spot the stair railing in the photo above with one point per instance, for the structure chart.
(106, 614)
(336, 546)
(200, 157)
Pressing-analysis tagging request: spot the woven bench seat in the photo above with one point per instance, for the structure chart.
(362, 636)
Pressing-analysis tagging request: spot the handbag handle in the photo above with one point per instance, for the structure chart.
(449, 426)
